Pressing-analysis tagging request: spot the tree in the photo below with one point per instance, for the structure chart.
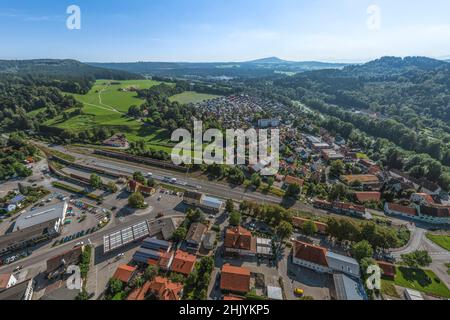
(112, 187)
(337, 168)
(179, 234)
(419, 258)
(195, 215)
(138, 282)
(293, 191)
(136, 201)
(235, 218)
(229, 206)
(362, 250)
(284, 230)
(83, 295)
(151, 272)
(139, 177)
(256, 180)
(96, 181)
(114, 286)
(309, 228)
(270, 181)
(337, 192)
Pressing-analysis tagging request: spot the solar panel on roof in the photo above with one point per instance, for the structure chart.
(125, 236)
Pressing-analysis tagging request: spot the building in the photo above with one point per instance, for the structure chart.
(411, 294)
(332, 155)
(267, 123)
(53, 216)
(183, 262)
(117, 141)
(125, 273)
(134, 186)
(7, 280)
(350, 209)
(422, 198)
(235, 279)
(321, 260)
(58, 264)
(347, 288)
(368, 181)
(433, 214)
(161, 288)
(274, 293)
(21, 291)
(388, 270)
(239, 240)
(200, 200)
(293, 180)
(264, 247)
(363, 197)
(209, 241)
(319, 146)
(165, 226)
(195, 235)
(298, 223)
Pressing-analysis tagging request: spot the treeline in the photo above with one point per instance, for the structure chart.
(13, 153)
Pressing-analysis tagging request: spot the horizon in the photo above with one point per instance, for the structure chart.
(345, 31)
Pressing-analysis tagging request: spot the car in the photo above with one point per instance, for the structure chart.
(17, 269)
(149, 174)
(299, 292)
(78, 244)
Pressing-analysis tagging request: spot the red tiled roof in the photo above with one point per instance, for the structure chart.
(298, 222)
(232, 298)
(4, 279)
(239, 238)
(139, 293)
(348, 206)
(133, 185)
(294, 180)
(388, 269)
(402, 209)
(162, 287)
(235, 279)
(311, 253)
(368, 196)
(183, 262)
(124, 273)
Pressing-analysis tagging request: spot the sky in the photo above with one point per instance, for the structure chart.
(225, 30)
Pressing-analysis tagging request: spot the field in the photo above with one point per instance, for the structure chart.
(192, 97)
(422, 280)
(441, 240)
(105, 105)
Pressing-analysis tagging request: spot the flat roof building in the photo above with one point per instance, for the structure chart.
(54, 214)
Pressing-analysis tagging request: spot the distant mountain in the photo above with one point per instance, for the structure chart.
(395, 65)
(255, 68)
(61, 69)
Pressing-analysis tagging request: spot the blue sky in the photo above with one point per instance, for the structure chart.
(223, 30)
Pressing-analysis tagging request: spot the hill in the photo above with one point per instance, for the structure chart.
(249, 69)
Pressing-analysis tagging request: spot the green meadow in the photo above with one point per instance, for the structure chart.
(192, 97)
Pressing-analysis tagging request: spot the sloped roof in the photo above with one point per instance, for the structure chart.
(368, 196)
(4, 279)
(124, 273)
(311, 253)
(294, 180)
(239, 238)
(183, 262)
(236, 279)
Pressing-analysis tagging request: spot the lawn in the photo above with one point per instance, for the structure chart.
(105, 105)
(422, 280)
(192, 97)
(441, 240)
(388, 288)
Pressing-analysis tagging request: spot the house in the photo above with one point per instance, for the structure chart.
(165, 226)
(160, 287)
(422, 198)
(368, 181)
(293, 180)
(117, 141)
(434, 214)
(266, 123)
(192, 198)
(183, 262)
(235, 279)
(209, 241)
(400, 210)
(363, 197)
(331, 155)
(20, 291)
(198, 199)
(134, 186)
(350, 209)
(239, 240)
(347, 288)
(124, 273)
(195, 235)
(298, 223)
(230, 297)
(58, 264)
(264, 247)
(388, 270)
(321, 260)
(7, 280)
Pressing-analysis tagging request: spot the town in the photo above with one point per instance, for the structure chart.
(147, 230)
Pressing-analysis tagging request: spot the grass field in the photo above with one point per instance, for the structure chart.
(441, 240)
(192, 97)
(422, 280)
(105, 105)
(388, 288)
